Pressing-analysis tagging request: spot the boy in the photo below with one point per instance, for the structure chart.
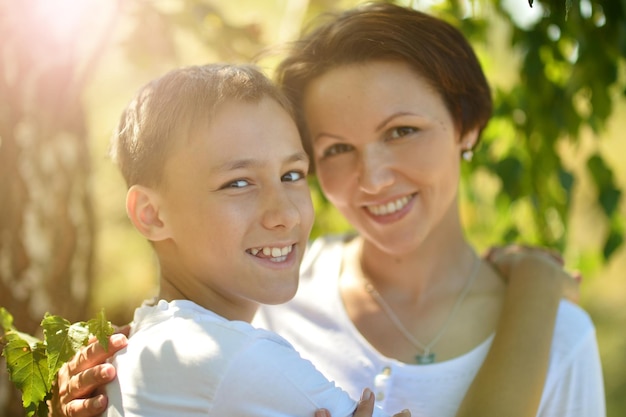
(217, 183)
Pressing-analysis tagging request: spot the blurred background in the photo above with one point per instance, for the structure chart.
(550, 170)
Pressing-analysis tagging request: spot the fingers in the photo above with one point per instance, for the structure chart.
(94, 354)
(89, 407)
(496, 252)
(504, 258)
(125, 329)
(87, 381)
(79, 378)
(365, 407)
(572, 287)
(527, 261)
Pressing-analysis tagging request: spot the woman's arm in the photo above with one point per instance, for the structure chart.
(80, 380)
(512, 378)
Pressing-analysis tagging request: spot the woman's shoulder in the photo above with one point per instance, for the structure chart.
(574, 331)
(572, 318)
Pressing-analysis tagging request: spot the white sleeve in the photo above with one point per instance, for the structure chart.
(270, 379)
(577, 388)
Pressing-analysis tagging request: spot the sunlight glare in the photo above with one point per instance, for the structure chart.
(63, 18)
(522, 14)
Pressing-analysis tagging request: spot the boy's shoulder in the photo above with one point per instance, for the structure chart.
(188, 325)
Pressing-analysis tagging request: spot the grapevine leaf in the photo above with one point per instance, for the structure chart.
(101, 328)
(30, 339)
(28, 369)
(63, 339)
(6, 320)
(11, 333)
(33, 364)
(39, 410)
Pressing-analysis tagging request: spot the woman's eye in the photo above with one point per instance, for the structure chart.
(293, 176)
(236, 184)
(337, 149)
(402, 131)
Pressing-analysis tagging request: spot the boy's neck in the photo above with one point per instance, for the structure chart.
(234, 310)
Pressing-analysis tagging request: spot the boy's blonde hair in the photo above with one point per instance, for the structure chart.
(165, 111)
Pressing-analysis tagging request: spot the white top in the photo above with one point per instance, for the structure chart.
(183, 360)
(317, 325)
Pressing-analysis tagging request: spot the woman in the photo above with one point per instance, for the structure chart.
(391, 102)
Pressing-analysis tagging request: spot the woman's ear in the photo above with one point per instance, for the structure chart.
(144, 210)
(469, 139)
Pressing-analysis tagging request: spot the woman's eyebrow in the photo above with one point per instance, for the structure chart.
(386, 120)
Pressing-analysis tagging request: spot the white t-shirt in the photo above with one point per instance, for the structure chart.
(317, 325)
(184, 360)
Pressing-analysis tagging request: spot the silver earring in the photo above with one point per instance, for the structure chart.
(467, 155)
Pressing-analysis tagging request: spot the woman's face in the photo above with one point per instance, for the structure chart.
(386, 152)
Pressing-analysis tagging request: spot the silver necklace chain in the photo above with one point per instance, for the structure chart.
(427, 356)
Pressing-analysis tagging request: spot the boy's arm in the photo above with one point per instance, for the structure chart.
(512, 378)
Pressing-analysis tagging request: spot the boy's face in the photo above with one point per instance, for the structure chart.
(238, 210)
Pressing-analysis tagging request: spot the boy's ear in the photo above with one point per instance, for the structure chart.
(144, 210)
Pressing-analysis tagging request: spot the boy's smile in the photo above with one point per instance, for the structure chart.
(274, 254)
(237, 207)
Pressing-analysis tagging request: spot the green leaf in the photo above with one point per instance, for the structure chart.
(600, 172)
(608, 194)
(28, 369)
(6, 320)
(62, 339)
(101, 328)
(609, 200)
(511, 170)
(612, 243)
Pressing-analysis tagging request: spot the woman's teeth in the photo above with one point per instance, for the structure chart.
(389, 208)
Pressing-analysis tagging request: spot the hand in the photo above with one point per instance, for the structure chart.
(365, 407)
(526, 262)
(81, 380)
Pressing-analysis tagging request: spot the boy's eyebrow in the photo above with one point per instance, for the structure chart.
(249, 162)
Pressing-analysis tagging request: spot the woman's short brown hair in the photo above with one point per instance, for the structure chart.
(433, 48)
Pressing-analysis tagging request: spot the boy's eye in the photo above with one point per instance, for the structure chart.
(293, 176)
(236, 184)
(337, 149)
(401, 131)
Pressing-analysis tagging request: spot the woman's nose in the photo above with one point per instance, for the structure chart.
(375, 170)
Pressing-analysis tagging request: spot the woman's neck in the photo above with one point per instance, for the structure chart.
(438, 265)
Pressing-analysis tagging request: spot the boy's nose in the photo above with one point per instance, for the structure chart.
(281, 211)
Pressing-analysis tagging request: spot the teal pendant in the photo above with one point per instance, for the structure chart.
(425, 359)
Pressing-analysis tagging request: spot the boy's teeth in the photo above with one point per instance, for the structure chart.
(272, 252)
